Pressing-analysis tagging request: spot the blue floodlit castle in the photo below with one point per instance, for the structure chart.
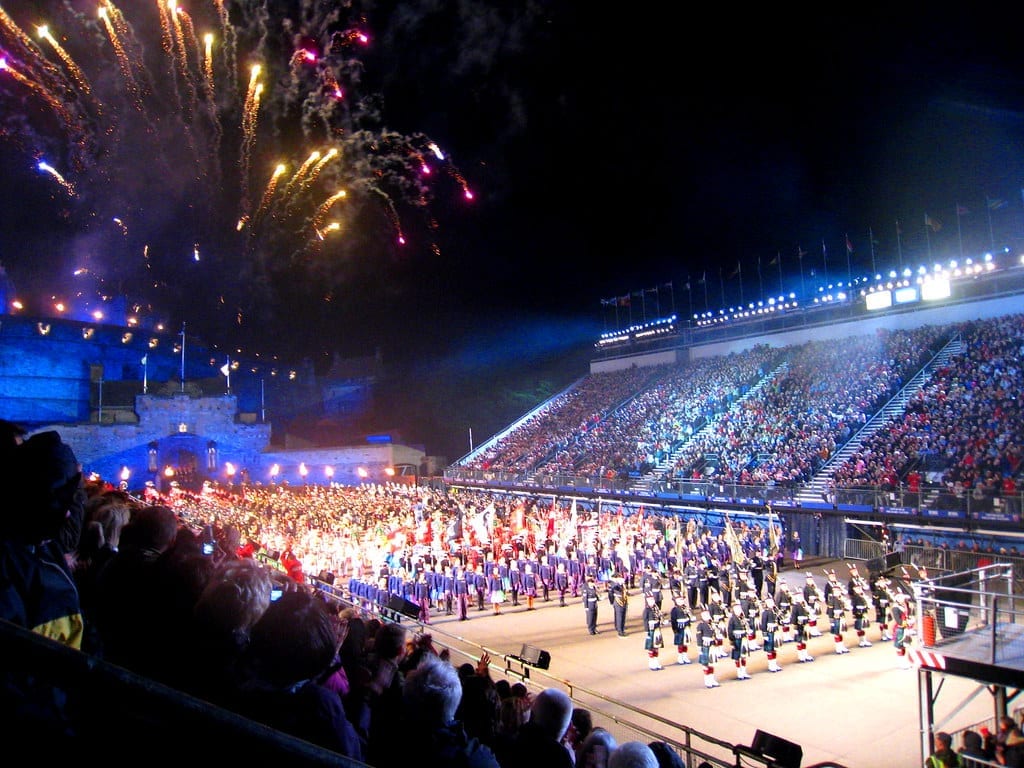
(141, 404)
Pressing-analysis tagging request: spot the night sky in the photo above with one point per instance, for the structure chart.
(608, 152)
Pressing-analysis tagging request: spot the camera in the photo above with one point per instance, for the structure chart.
(208, 547)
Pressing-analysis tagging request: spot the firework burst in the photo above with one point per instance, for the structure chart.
(170, 116)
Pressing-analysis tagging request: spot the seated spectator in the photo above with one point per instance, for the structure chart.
(580, 725)
(233, 600)
(42, 480)
(431, 735)
(43, 483)
(539, 741)
(127, 613)
(596, 749)
(294, 643)
(667, 756)
(633, 754)
(375, 695)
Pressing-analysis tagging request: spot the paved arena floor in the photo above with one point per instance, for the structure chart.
(857, 709)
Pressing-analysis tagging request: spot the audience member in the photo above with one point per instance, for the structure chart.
(633, 754)
(431, 736)
(292, 644)
(595, 750)
(42, 481)
(666, 755)
(539, 741)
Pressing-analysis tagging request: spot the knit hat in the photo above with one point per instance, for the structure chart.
(42, 476)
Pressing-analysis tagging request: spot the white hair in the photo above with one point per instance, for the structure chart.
(632, 754)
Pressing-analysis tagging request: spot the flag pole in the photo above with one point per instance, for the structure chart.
(871, 240)
(145, 373)
(959, 231)
(988, 211)
(183, 356)
(800, 258)
(778, 260)
(899, 246)
(849, 272)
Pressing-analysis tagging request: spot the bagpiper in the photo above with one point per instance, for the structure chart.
(737, 630)
(681, 618)
(654, 640)
(801, 621)
(706, 636)
(814, 602)
(859, 605)
(769, 626)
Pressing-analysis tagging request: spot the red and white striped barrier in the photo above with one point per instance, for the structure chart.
(921, 657)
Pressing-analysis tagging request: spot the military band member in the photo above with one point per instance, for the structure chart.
(590, 598)
(561, 583)
(860, 605)
(461, 583)
(654, 640)
(446, 591)
(836, 614)
(705, 643)
(801, 621)
(545, 577)
(771, 573)
(719, 617)
(752, 610)
(675, 584)
(757, 565)
(496, 589)
(619, 598)
(736, 628)
(529, 585)
(883, 602)
(691, 575)
(650, 584)
(784, 603)
(480, 586)
(769, 624)
(902, 626)
(515, 581)
(814, 602)
(681, 618)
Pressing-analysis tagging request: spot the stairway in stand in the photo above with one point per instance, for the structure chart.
(816, 490)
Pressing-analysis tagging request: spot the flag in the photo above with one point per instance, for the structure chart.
(607, 302)
(703, 278)
(995, 204)
(623, 300)
(145, 359)
(687, 285)
(800, 252)
(961, 210)
(898, 230)
(668, 285)
(735, 547)
(738, 270)
(849, 245)
(775, 261)
(226, 368)
(933, 224)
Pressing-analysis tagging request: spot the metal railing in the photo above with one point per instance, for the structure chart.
(625, 721)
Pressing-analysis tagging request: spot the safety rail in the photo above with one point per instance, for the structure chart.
(619, 717)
